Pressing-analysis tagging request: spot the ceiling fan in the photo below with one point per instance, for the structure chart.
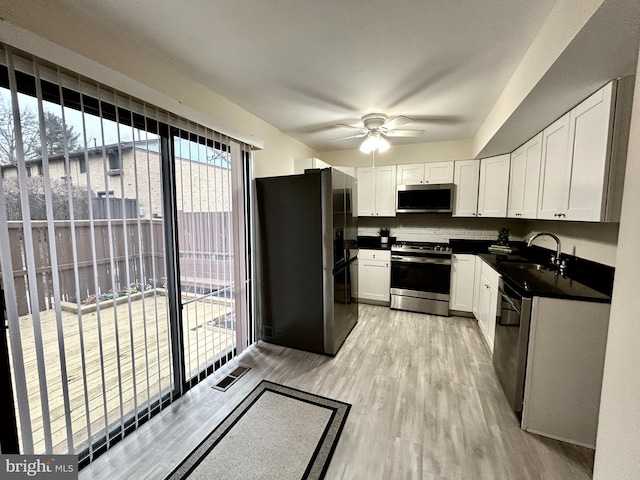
(377, 127)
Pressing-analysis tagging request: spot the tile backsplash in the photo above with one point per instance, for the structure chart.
(592, 241)
(440, 228)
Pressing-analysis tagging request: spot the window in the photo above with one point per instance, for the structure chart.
(114, 160)
(95, 291)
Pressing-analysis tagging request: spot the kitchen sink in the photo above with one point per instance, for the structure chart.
(526, 266)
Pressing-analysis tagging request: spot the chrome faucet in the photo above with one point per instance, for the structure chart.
(555, 259)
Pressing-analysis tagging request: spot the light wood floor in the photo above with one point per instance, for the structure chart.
(426, 405)
(145, 324)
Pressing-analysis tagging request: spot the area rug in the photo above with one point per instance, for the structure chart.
(276, 432)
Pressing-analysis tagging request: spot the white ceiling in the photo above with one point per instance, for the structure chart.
(306, 65)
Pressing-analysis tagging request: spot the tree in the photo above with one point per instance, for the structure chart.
(30, 126)
(37, 199)
(30, 133)
(55, 132)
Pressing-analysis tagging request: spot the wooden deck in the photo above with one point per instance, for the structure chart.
(123, 371)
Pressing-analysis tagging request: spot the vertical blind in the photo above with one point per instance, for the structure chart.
(127, 272)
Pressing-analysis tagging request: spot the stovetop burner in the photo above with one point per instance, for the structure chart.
(430, 247)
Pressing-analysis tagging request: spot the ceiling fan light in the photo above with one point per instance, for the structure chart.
(369, 145)
(383, 145)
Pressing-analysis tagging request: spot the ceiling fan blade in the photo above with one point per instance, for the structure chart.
(403, 133)
(396, 121)
(353, 127)
(359, 135)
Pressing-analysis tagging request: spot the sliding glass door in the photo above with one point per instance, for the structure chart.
(205, 249)
(119, 260)
(82, 215)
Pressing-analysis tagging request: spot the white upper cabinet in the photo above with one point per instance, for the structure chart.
(576, 164)
(411, 174)
(386, 191)
(377, 191)
(366, 191)
(494, 186)
(525, 179)
(466, 178)
(590, 129)
(555, 170)
(417, 173)
(438, 172)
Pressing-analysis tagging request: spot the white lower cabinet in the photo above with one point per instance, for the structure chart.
(374, 276)
(565, 365)
(487, 288)
(476, 287)
(463, 269)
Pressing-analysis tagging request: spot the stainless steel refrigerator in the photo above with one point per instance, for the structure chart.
(307, 232)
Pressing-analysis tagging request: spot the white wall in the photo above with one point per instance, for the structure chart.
(593, 241)
(618, 442)
(413, 153)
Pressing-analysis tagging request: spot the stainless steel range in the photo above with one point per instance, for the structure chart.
(421, 277)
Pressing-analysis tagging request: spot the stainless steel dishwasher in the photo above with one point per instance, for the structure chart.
(511, 343)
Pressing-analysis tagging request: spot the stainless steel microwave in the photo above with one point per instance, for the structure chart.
(425, 198)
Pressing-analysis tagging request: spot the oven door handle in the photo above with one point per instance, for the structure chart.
(438, 261)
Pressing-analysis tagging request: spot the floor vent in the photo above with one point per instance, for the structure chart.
(230, 379)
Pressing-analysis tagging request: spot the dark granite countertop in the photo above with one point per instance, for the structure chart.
(373, 243)
(583, 279)
(530, 279)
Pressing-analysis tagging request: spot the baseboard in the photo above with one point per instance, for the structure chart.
(460, 313)
(374, 302)
(562, 439)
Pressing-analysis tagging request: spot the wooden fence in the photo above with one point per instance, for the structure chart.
(204, 253)
(99, 204)
(205, 250)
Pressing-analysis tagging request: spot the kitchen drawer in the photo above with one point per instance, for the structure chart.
(383, 255)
